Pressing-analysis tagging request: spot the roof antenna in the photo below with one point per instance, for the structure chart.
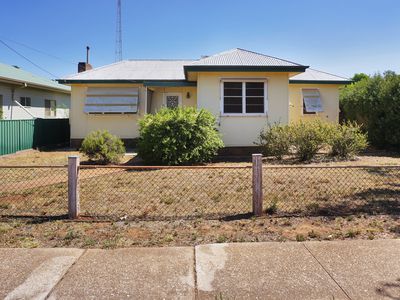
(118, 39)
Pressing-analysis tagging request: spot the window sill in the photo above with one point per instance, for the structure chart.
(244, 115)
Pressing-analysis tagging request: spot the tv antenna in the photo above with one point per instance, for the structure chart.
(118, 38)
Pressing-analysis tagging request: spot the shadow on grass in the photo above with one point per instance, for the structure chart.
(379, 201)
(33, 219)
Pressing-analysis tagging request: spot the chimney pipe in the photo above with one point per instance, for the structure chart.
(87, 54)
(85, 66)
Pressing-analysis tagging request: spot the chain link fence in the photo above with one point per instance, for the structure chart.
(338, 190)
(153, 193)
(165, 192)
(33, 191)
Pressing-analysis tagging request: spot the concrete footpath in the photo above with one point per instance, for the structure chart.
(290, 270)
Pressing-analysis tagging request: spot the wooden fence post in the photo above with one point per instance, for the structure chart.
(257, 185)
(73, 187)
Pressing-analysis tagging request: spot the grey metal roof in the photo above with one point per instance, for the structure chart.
(16, 75)
(312, 75)
(136, 70)
(174, 70)
(241, 57)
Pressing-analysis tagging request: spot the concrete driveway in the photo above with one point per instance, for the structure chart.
(309, 270)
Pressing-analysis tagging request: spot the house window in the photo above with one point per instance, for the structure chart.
(25, 101)
(311, 101)
(244, 97)
(111, 100)
(50, 108)
(172, 100)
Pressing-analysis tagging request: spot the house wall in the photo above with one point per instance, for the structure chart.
(12, 111)
(243, 130)
(329, 98)
(124, 126)
(159, 93)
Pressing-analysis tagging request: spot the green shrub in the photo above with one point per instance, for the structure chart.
(309, 137)
(275, 140)
(178, 136)
(103, 147)
(375, 102)
(347, 140)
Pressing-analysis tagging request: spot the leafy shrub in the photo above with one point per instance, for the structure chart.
(347, 140)
(103, 147)
(275, 140)
(178, 136)
(308, 138)
(375, 102)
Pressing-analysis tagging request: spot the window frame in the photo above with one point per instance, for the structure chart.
(24, 97)
(303, 106)
(244, 81)
(55, 108)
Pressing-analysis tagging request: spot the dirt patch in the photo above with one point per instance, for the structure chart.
(59, 233)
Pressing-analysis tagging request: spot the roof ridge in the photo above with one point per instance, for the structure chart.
(95, 69)
(289, 61)
(330, 74)
(160, 59)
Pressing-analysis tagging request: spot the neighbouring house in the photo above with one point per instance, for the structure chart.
(24, 95)
(243, 89)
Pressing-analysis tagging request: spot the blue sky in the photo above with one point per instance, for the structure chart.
(342, 36)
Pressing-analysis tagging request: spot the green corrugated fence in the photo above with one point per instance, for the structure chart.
(17, 135)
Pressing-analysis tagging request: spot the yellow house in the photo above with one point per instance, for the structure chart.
(243, 89)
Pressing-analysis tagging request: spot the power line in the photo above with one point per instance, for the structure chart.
(38, 50)
(24, 57)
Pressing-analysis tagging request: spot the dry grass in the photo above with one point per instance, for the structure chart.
(187, 193)
(30, 233)
(364, 200)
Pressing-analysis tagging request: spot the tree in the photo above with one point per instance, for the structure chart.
(359, 76)
(374, 102)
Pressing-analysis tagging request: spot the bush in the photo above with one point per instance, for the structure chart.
(375, 102)
(103, 147)
(308, 138)
(275, 140)
(347, 140)
(178, 136)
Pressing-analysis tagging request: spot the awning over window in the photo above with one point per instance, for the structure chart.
(111, 100)
(312, 100)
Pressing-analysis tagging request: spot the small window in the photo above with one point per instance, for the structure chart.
(25, 101)
(172, 101)
(254, 97)
(50, 108)
(244, 97)
(311, 101)
(233, 97)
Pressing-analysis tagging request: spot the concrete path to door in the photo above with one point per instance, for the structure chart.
(310, 270)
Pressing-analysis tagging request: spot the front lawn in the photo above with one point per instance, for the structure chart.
(323, 203)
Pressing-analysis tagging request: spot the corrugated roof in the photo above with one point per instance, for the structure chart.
(136, 70)
(315, 75)
(173, 70)
(241, 57)
(11, 73)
